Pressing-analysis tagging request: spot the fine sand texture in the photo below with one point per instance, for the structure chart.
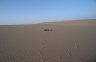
(65, 41)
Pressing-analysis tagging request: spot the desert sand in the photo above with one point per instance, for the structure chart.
(68, 41)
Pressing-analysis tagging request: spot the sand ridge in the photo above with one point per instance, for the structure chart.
(73, 41)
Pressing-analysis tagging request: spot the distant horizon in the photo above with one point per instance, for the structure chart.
(38, 11)
(53, 21)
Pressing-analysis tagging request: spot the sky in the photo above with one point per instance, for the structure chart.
(38, 11)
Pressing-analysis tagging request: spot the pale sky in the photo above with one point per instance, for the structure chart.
(37, 11)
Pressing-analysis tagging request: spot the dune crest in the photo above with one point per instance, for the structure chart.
(72, 41)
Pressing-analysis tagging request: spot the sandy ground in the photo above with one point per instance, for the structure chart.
(73, 41)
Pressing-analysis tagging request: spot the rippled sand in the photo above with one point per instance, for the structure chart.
(72, 41)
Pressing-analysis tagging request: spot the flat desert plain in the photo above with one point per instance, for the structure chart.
(68, 41)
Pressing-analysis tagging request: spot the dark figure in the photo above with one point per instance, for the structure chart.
(48, 30)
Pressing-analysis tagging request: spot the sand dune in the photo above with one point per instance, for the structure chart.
(70, 41)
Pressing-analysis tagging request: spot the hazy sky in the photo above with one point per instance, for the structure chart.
(35, 11)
